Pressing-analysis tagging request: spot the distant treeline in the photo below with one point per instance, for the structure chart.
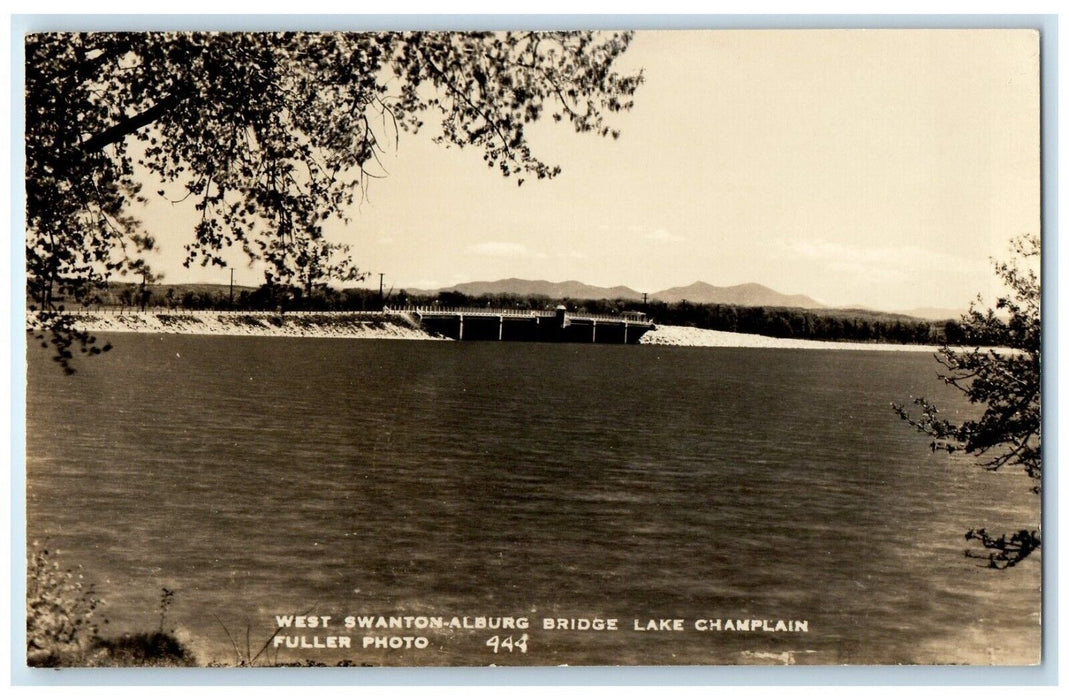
(779, 322)
(218, 297)
(811, 324)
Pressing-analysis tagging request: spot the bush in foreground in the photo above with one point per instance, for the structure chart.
(61, 626)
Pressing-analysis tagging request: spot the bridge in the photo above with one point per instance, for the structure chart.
(458, 323)
(557, 326)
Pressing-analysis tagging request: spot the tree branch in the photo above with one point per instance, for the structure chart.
(461, 94)
(124, 128)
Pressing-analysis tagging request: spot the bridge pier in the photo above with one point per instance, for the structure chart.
(500, 327)
(594, 332)
(460, 326)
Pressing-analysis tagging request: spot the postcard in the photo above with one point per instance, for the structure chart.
(533, 348)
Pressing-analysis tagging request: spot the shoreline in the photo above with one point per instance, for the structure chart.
(379, 326)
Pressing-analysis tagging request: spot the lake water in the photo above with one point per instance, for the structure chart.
(264, 476)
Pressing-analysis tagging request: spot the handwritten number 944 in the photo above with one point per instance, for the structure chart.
(500, 644)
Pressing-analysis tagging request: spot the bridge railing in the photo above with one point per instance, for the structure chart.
(470, 311)
(121, 311)
(421, 310)
(512, 313)
(614, 318)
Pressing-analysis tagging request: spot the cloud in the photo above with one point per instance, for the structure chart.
(386, 240)
(500, 249)
(664, 236)
(879, 262)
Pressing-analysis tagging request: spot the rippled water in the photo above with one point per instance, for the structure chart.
(264, 476)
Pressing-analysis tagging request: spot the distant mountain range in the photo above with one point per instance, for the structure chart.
(698, 293)
(739, 295)
(554, 290)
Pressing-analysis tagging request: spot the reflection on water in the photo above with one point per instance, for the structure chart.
(264, 476)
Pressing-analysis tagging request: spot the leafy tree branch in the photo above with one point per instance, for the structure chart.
(998, 370)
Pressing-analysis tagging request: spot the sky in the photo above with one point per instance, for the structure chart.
(874, 168)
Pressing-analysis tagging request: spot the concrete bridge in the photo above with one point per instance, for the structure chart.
(558, 326)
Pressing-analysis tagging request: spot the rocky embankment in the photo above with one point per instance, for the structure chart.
(300, 324)
(704, 338)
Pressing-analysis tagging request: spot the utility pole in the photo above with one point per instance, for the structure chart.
(645, 300)
(382, 301)
(144, 281)
(231, 288)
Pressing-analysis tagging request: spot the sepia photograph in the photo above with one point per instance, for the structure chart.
(705, 347)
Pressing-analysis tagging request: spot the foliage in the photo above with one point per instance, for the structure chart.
(62, 629)
(1004, 378)
(166, 599)
(60, 610)
(157, 648)
(142, 649)
(58, 331)
(272, 134)
(244, 657)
